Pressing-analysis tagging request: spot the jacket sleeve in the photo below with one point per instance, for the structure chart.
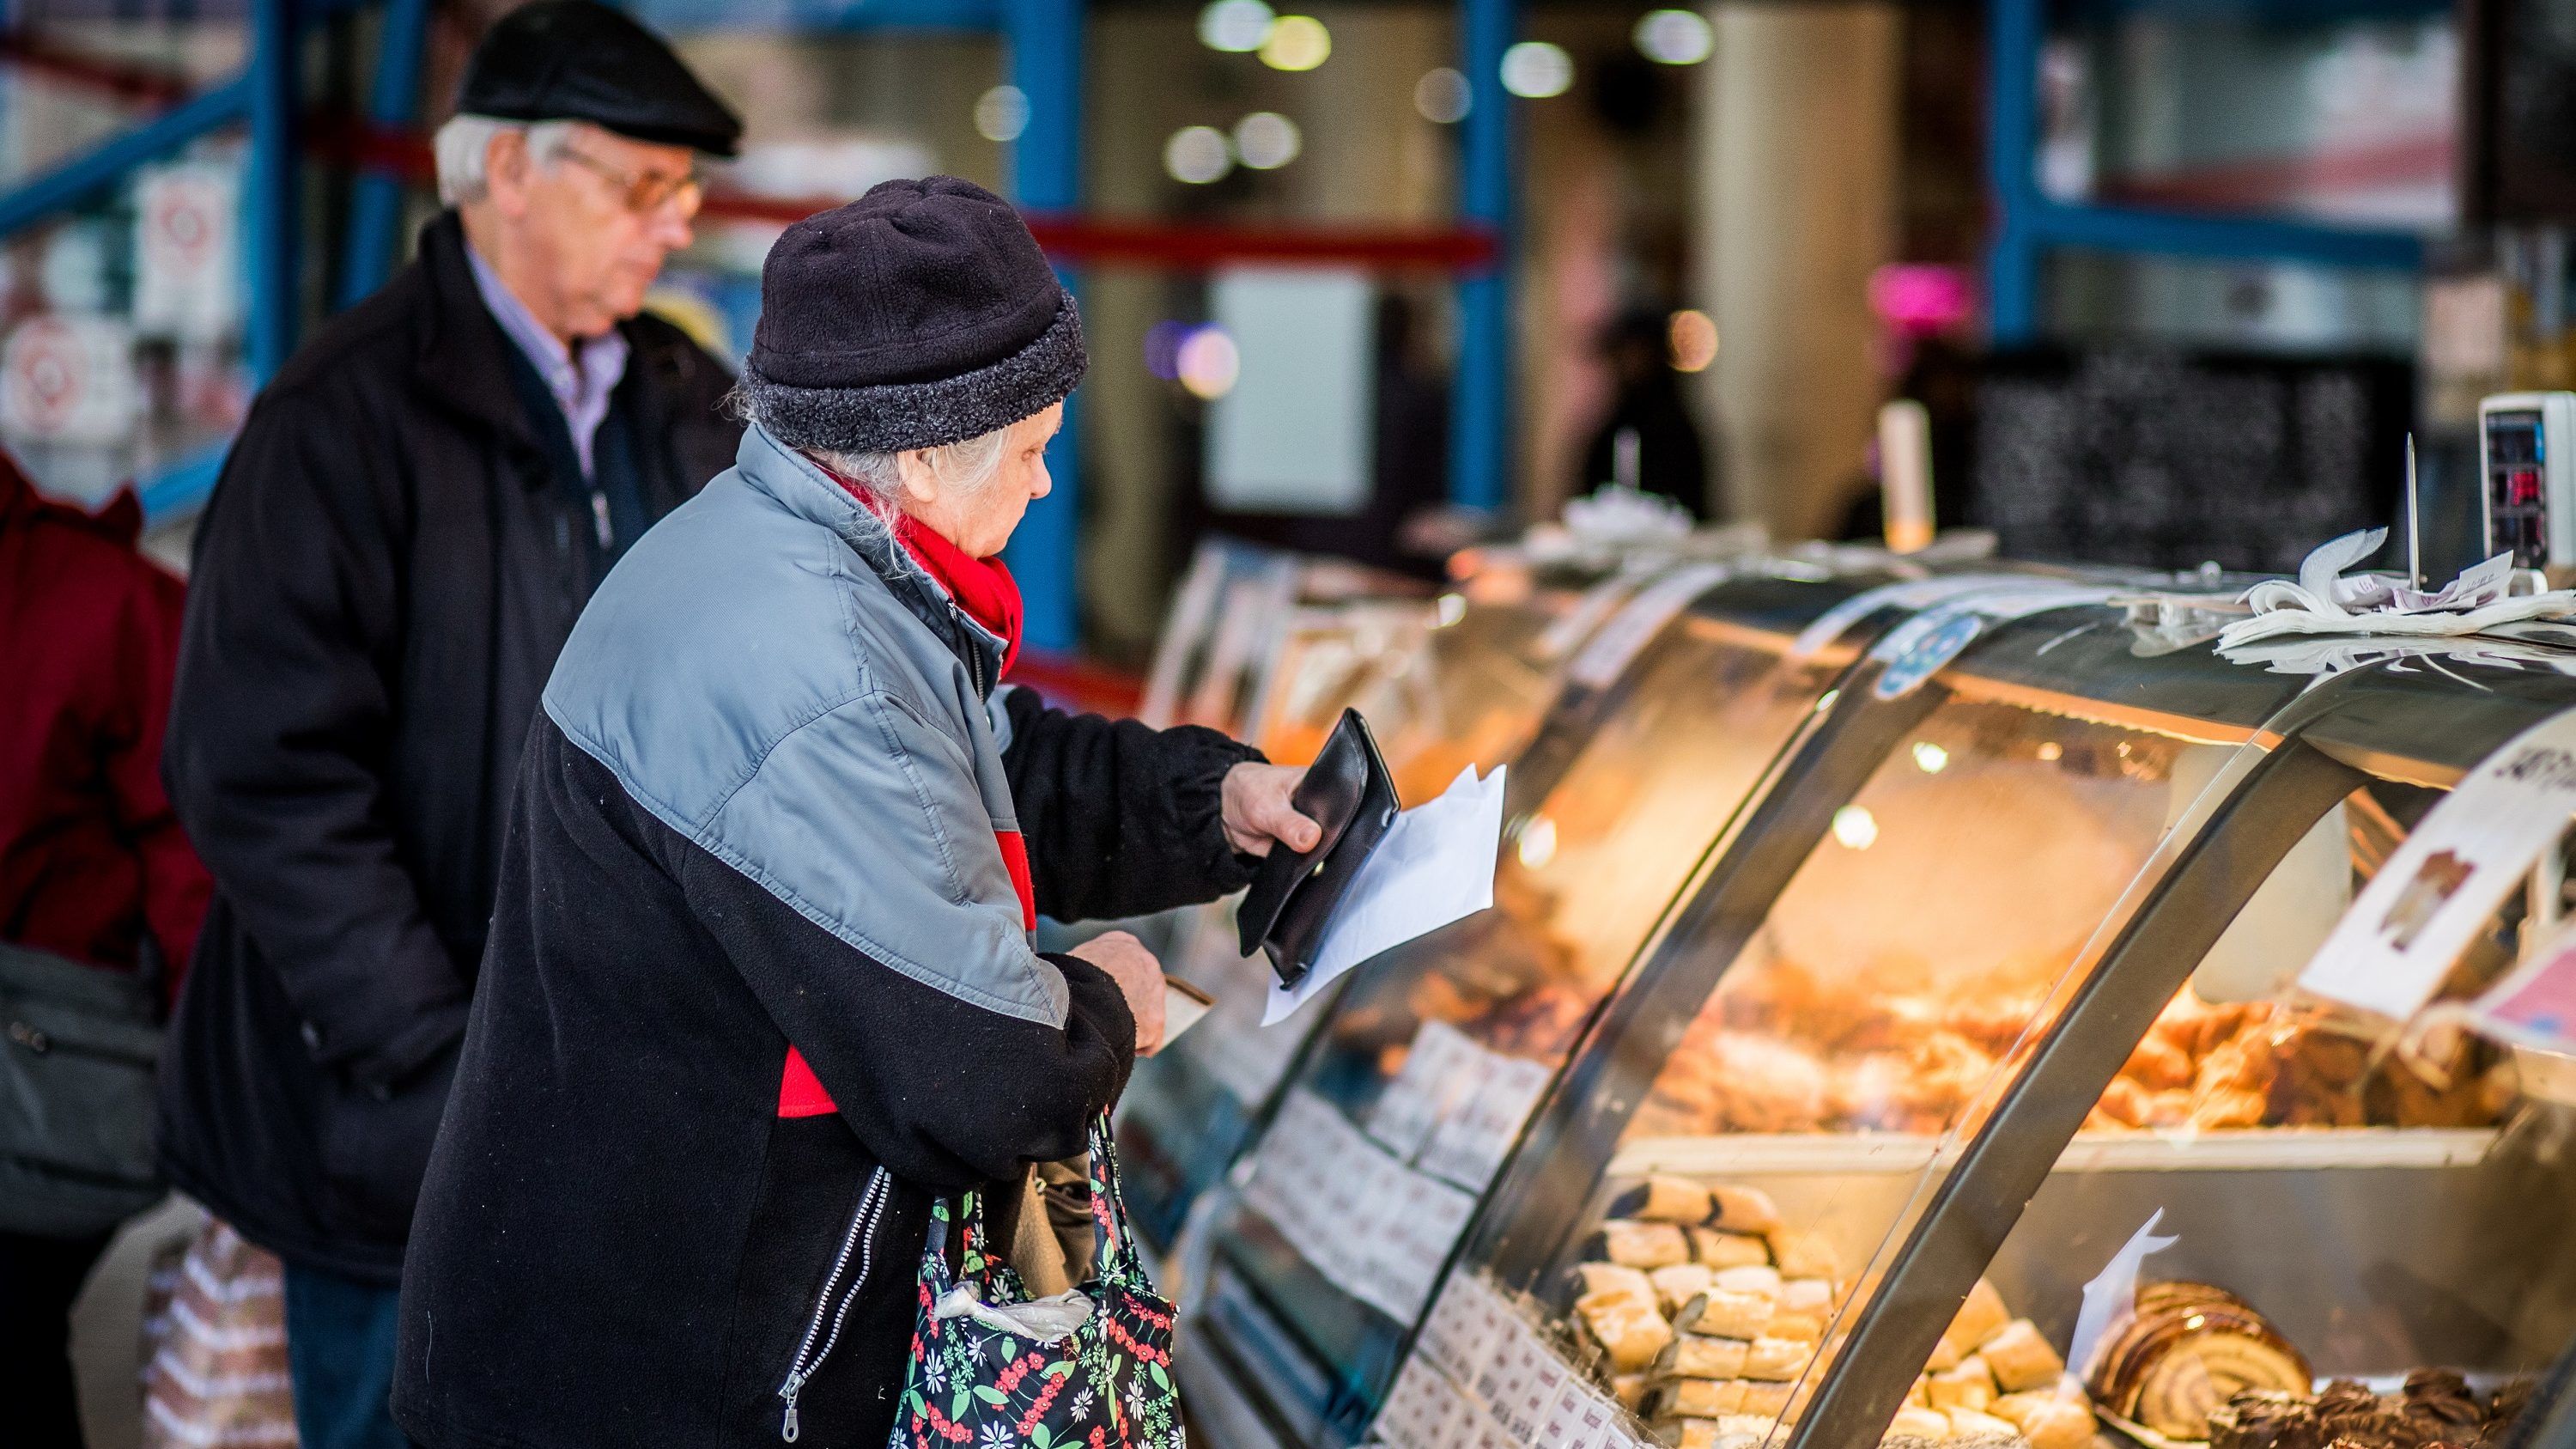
(1119, 820)
(279, 730)
(175, 885)
(856, 884)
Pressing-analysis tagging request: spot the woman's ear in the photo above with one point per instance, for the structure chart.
(920, 484)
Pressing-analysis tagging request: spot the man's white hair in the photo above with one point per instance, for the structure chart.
(464, 142)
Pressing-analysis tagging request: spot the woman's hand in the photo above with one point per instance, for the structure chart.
(1140, 980)
(1257, 812)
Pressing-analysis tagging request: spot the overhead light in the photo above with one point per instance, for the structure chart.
(1855, 827)
(1694, 340)
(1236, 26)
(1538, 843)
(1451, 609)
(1266, 140)
(1441, 96)
(1197, 155)
(2051, 750)
(1209, 363)
(1675, 37)
(1930, 758)
(1296, 42)
(1002, 113)
(1535, 70)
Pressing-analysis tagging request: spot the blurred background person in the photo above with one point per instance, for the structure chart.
(93, 871)
(1648, 441)
(413, 516)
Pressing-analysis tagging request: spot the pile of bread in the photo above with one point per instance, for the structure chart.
(1706, 1310)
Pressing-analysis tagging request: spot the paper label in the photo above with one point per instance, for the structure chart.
(1913, 594)
(1922, 646)
(1436, 1068)
(2392, 949)
(1608, 652)
(1473, 1140)
(2535, 1004)
(1577, 623)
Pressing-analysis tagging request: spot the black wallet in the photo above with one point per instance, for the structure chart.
(1349, 793)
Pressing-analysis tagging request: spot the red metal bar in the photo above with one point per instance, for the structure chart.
(125, 80)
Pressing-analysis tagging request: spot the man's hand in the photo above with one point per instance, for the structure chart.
(1257, 811)
(1140, 980)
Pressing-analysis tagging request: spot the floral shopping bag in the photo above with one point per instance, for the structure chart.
(993, 1368)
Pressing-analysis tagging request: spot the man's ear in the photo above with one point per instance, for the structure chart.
(507, 168)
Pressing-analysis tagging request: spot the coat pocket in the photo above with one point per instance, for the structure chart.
(375, 1147)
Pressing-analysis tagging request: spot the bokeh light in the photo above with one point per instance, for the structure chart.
(1002, 113)
(1266, 140)
(1675, 37)
(1441, 96)
(1297, 42)
(1535, 70)
(1163, 348)
(1236, 26)
(1208, 362)
(1198, 155)
(1694, 340)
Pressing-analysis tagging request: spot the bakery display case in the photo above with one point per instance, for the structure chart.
(1420, 1078)
(1969, 1097)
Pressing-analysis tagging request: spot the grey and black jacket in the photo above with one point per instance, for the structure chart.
(761, 933)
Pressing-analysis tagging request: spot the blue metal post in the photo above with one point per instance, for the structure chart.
(1480, 408)
(270, 205)
(376, 205)
(2015, 29)
(46, 194)
(1044, 38)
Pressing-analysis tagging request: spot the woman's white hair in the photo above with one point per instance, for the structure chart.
(465, 141)
(966, 468)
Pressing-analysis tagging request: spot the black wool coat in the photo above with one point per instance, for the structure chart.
(382, 581)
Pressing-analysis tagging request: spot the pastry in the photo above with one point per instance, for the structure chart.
(1921, 1423)
(1679, 1284)
(2186, 1349)
(1598, 1278)
(1705, 1434)
(2157, 1064)
(1805, 1255)
(1697, 1398)
(1768, 1399)
(1751, 1279)
(1630, 1333)
(1632, 1244)
(2047, 1421)
(2021, 1359)
(1970, 1425)
(1694, 1356)
(1724, 1314)
(1981, 1316)
(1721, 1249)
(1665, 1200)
(1806, 1295)
(1776, 1360)
(1789, 1323)
(2228, 1107)
(1629, 1390)
(1970, 1386)
(1743, 1210)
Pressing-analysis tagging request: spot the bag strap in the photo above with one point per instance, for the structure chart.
(1118, 1259)
(976, 1261)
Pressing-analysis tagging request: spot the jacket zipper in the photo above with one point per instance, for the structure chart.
(34, 1039)
(861, 1238)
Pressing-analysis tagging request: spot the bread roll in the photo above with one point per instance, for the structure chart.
(1743, 1210)
(1807, 1295)
(1751, 1279)
(1767, 1399)
(2021, 1359)
(1804, 1327)
(1969, 1424)
(1920, 1423)
(1968, 1386)
(1725, 1314)
(1981, 1317)
(1776, 1360)
(1597, 1278)
(1629, 1390)
(1679, 1284)
(1721, 1249)
(1630, 1333)
(1805, 1255)
(1666, 1200)
(1695, 1356)
(1633, 1244)
(2046, 1420)
(1698, 1398)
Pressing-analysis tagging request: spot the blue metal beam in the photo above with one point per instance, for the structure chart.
(937, 17)
(376, 207)
(103, 165)
(2129, 229)
(1480, 453)
(2014, 30)
(1045, 175)
(271, 203)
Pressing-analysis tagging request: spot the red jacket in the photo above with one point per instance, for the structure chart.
(91, 856)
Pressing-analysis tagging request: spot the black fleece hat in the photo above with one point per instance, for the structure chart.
(578, 60)
(920, 314)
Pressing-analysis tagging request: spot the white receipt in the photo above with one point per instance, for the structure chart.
(1435, 866)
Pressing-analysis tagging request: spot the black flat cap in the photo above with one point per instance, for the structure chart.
(578, 60)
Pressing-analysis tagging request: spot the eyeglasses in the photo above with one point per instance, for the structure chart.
(644, 192)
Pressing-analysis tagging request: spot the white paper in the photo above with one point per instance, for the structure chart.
(1608, 652)
(2392, 949)
(2113, 1292)
(1435, 866)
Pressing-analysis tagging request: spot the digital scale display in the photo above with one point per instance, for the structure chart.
(2517, 461)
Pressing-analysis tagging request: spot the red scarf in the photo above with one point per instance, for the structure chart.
(983, 587)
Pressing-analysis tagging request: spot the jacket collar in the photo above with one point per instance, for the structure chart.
(460, 358)
(799, 485)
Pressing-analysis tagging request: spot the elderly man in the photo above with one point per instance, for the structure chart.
(414, 515)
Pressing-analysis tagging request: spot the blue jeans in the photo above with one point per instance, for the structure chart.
(340, 1358)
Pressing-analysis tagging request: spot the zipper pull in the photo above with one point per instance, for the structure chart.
(599, 516)
(795, 1385)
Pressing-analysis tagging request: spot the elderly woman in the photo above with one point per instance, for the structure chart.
(760, 982)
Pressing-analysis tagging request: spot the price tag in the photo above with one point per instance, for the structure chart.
(1922, 646)
(1913, 594)
(1443, 1339)
(2392, 949)
(2535, 1004)
(1473, 1141)
(1424, 1087)
(1629, 630)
